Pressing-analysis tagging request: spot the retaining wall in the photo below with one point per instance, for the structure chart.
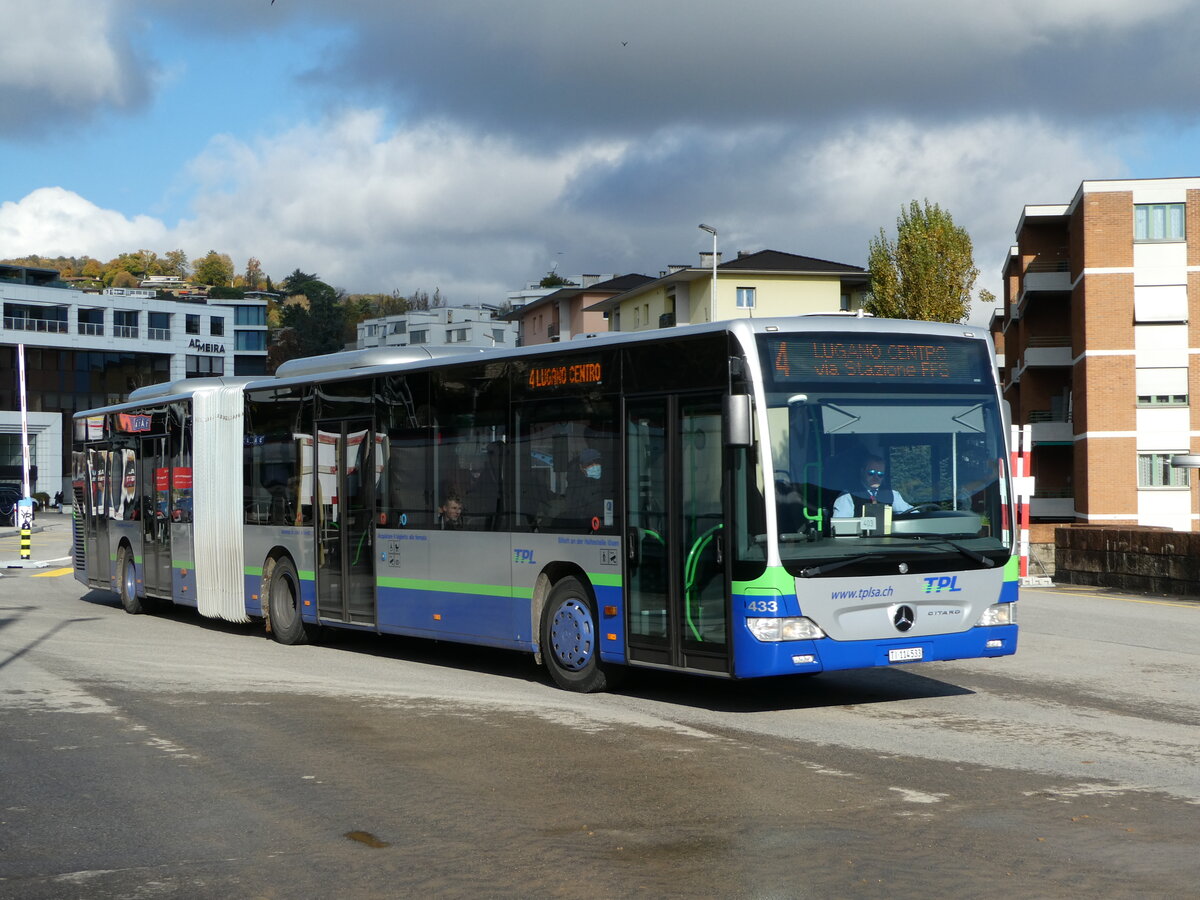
(1139, 560)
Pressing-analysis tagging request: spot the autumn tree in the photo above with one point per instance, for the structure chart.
(254, 274)
(214, 269)
(927, 273)
(175, 262)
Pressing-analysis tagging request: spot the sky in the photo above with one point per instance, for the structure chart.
(471, 147)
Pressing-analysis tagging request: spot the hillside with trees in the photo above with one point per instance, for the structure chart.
(309, 317)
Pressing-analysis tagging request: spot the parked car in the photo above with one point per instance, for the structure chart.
(10, 495)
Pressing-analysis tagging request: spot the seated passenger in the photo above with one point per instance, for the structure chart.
(450, 513)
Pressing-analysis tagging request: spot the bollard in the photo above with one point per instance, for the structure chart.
(25, 519)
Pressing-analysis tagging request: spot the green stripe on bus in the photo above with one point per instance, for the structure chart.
(253, 570)
(774, 578)
(446, 587)
(1012, 569)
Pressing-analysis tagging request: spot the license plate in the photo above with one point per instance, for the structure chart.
(906, 654)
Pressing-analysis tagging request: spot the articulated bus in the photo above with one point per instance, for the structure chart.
(690, 499)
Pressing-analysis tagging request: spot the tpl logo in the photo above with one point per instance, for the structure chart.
(523, 556)
(941, 584)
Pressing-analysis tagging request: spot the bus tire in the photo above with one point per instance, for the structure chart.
(571, 639)
(127, 582)
(283, 604)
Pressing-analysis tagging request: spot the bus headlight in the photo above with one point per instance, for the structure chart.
(999, 614)
(791, 629)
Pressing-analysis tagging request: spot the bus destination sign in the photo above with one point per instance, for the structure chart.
(868, 358)
(541, 377)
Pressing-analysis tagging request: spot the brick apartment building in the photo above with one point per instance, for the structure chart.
(1096, 338)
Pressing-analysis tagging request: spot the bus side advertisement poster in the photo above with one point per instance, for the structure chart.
(797, 359)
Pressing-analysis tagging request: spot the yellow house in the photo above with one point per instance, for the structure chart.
(762, 284)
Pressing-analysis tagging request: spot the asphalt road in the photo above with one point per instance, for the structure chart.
(171, 756)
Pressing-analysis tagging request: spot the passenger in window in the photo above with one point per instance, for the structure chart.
(450, 513)
(586, 490)
(870, 489)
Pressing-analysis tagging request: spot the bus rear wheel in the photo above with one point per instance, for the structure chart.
(571, 640)
(127, 582)
(283, 604)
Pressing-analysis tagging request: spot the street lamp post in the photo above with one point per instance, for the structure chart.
(713, 232)
(1188, 461)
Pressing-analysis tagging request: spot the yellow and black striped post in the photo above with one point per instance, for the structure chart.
(25, 523)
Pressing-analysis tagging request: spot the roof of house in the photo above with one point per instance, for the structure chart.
(778, 261)
(762, 262)
(617, 285)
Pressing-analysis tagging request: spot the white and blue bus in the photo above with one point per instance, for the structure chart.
(690, 499)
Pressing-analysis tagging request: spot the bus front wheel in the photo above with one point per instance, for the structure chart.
(570, 638)
(283, 604)
(127, 582)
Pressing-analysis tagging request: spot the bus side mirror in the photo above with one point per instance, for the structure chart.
(739, 430)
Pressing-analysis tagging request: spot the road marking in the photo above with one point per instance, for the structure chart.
(53, 573)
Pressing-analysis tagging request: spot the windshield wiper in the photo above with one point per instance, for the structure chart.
(830, 567)
(971, 553)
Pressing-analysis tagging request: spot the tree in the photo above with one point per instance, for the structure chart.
(553, 279)
(213, 269)
(927, 273)
(294, 283)
(254, 274)
(175, 262)
(319, 326)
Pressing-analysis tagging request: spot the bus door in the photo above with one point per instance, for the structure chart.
(675, 571)
(343, 497)
(153, 505)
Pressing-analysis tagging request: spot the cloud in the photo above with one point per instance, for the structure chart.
(66, 62)
(52, 222)
(556, 71)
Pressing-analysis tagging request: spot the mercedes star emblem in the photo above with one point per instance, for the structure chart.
(903, 618)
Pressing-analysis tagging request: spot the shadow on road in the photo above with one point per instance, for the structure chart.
(840, 689)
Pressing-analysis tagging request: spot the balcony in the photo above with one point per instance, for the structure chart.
(158, 334)
(47, 326)
(125, 331)
(1048, 427)
(93, 329)
(1052, 275)
(1048, 351)
(552, 331)
(1052, 503)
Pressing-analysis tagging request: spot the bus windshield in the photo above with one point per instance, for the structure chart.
(889, 468)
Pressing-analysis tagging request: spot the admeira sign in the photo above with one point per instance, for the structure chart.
(196, 344)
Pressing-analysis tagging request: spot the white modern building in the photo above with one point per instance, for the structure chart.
(442, 326)
(91, 349)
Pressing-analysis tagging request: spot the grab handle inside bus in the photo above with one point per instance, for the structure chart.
(739, 431)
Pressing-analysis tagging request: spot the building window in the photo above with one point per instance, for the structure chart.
(216, 326)
(204, 366)
(1158, 222)
(745, 298)
(1162, 387)
(399, 328)
(457, 335)
(1155, 471)
(125, 323)
(250, 340)
(192, 324)
(250, 315)
(419, 337)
